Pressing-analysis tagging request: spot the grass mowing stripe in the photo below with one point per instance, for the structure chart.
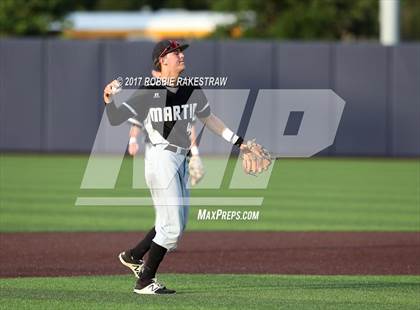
(38, 193)
(216, 292)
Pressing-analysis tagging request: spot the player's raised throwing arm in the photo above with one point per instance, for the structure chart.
(116, 115)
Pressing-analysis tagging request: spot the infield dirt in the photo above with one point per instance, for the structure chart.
(315, 253)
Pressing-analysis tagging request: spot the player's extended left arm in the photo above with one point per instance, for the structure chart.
(216, 125)
(255, 158)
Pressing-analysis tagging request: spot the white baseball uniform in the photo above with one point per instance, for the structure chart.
(167, 115)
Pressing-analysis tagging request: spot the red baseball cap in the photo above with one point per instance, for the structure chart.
(165, 47)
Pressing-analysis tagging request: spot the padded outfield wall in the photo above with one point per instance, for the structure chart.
(51, 101)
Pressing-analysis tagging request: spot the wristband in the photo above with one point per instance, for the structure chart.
(194, 151)
(132, 140)
(229, 136)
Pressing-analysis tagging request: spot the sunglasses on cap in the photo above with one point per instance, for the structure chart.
(173, 45)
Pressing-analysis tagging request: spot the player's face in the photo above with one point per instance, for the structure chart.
(175, 61)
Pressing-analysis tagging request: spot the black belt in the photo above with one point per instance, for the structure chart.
(177, 149)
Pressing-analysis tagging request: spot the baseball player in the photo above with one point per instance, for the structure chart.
(166, 113)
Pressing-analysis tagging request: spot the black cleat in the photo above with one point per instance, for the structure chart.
(136, 265)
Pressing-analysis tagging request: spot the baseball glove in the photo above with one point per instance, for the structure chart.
(196, 169)
(255, 158)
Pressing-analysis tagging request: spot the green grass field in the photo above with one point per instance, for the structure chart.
(215, 292)
(38, 193)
